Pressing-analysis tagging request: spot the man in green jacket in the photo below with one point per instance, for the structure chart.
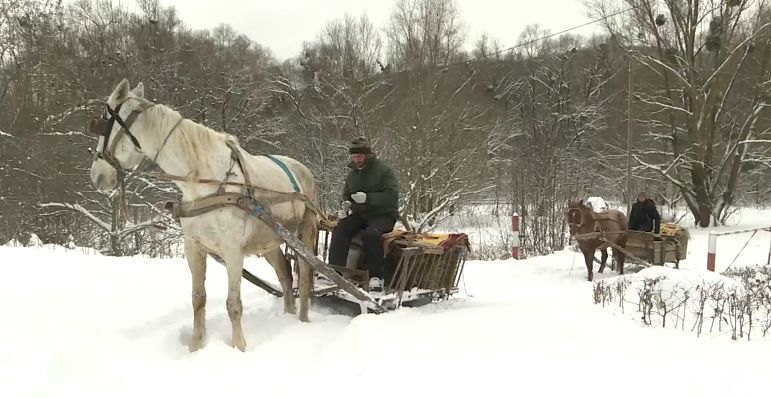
(373, 192)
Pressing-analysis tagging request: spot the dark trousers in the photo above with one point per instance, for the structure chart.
(371, 237)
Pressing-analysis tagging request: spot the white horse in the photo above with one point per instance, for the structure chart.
(136, 128)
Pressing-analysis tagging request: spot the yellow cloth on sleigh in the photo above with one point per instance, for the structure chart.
(444, 240)
(670, 229)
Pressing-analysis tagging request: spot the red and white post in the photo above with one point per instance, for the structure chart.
(711, 246)
(515, 230)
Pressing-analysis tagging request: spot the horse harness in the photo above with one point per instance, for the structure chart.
(598, 231)
(243, 200)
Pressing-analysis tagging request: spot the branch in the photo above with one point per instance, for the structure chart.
(27, 172)
(80, 209)
(70, 134)
(663, 105)
(682, 79)
(720, 68)
(664, 174)
(59, 117)
(755, 142)
(155, 223)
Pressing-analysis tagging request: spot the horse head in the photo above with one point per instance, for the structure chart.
(118, 147)
(577, 215)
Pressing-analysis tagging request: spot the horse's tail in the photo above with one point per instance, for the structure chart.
(309, 227)
(308, 233)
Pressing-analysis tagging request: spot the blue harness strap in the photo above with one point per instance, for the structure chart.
(286, 170)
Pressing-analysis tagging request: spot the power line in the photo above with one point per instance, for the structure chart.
(550, 35)
(644, 2)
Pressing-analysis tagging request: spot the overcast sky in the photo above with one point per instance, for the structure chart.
(283, 25)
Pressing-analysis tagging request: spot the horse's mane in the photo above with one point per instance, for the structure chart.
(193, 131)
(194, 139)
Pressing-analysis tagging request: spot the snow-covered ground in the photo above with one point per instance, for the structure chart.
(77, 324)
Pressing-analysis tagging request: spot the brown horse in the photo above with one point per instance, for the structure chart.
(610, 225)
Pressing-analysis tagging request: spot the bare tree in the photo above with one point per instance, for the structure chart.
(706, 104)
(438, 128)
(424, 33)
(335, 92)
(558, 110)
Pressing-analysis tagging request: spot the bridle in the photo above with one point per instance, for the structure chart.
(105, 125)
(571, 215)
(576, 211)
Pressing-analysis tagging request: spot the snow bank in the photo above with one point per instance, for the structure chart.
(736, 305)
(36, 243)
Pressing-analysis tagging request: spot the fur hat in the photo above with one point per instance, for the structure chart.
(360, 145)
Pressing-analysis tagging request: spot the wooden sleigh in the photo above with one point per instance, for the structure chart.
(418, 271)
(646, 249)
(670, 247)
(420, 268)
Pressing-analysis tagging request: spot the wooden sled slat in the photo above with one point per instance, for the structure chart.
(303, 252)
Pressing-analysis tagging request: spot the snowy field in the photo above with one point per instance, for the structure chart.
(77, 324)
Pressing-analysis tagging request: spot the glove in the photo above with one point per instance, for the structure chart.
(359, 197)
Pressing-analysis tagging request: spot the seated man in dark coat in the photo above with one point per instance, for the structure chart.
(644, 216)
(373, 191)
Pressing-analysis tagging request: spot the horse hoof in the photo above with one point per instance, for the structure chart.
(195, 347)
(240, 345)
(196, 343)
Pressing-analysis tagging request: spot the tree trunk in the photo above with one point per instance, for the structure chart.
(115, 245)
(702, 211)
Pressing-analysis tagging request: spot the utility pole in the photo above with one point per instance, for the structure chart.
(629, 137)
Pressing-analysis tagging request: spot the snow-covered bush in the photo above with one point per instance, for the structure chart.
(737, 302)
